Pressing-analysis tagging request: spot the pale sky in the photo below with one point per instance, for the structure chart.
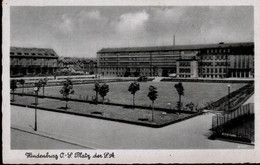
(82, 31)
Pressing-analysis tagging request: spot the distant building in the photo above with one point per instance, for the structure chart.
(90, 66)
(82, 64)
(32, 61)
(206, 60)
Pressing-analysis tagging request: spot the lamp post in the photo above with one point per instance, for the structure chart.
(229, 97)
(96, 71)
(36, 89)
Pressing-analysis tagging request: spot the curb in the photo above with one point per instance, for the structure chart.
(50, 137)
(109, 119)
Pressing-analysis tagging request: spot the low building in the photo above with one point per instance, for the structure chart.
(207, 60)
(32, 61)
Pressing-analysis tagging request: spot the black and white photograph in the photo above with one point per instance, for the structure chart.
(83, 82)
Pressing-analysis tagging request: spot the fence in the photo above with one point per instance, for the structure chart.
(238, 124)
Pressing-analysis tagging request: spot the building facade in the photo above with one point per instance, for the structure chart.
(32, 61)
(210, 60)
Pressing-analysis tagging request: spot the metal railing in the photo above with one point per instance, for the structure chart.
(237, 125)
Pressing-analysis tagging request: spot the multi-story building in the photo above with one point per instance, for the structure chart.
(86, 65)
(32, 61)
(208, 60)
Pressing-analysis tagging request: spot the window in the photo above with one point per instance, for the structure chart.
(19, 53)
(33, 54)
(216, 70)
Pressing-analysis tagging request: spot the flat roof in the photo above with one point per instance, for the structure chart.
(176, 47)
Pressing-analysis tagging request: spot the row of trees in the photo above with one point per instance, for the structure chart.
(67, 89)
(38, 84)
(102, 90)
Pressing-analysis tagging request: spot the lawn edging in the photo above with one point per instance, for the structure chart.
(109, 103)
(153, 125)
(207, 80)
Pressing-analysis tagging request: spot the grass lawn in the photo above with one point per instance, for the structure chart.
(107, 111)
(198, 93)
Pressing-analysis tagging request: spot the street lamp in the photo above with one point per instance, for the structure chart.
(229, 97)
(96, 71)
(36, 89)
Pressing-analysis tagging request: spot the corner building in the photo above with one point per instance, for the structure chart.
(32, 61)
(208, 60)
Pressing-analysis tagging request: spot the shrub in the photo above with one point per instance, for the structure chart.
(142, 78)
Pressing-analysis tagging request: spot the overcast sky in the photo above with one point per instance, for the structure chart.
(82, 31)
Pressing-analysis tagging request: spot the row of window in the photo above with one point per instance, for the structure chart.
(216, 63)
(184, 64)
(216, 57)
(218, 50)
(184, 70)
(155, 52)
(39, 54)
(211, 70)
(184, 76)
(120, 68)
(213, 51)
(28, 59)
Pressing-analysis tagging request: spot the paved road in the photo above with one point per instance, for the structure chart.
(21, 139)
(102, 134)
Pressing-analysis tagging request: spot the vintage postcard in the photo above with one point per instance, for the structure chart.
(130, 82)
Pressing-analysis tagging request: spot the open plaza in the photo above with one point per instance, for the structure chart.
(83, 87)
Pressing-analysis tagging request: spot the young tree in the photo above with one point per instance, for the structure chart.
(153, 94)
(37, 86)
(66, 90)
(44, 82)
(13, 86)
(22, 82)
(180, 91)
(133, 88)
(96, 89)
(104, 89)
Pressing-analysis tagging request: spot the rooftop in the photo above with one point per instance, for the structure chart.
(177, 47)
(33, 52)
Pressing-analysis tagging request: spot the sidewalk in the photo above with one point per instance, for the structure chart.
(29, 139)
(103, 134)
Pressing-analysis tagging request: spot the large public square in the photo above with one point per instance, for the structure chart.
(120, 125)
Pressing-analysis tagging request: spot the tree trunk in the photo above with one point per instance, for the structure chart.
(23, 90)
(96, 97)
(66, 107)
(133, 101)
(152, 111)
(13, 95)
(43, 90)
(179, 102)
(103, 100)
